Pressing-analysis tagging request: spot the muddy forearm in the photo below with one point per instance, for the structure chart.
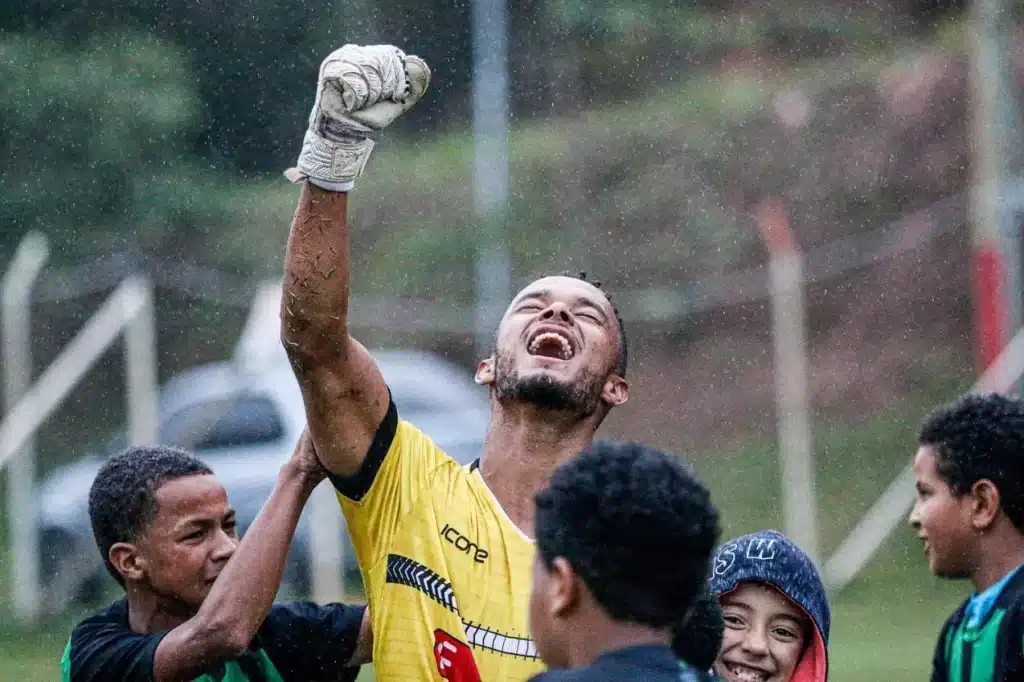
(314, 305)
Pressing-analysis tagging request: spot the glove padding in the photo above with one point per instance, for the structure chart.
(361, 90)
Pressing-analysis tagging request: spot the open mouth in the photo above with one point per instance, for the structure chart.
(742, 673)
(551, 344)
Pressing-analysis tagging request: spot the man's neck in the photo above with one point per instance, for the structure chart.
(1002, 552)
(606, 636)
(523, 447)
(149, 613)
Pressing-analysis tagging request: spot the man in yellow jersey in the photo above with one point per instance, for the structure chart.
(446, 550)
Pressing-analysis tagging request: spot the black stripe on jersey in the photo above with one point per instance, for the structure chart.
(404, 571)
(966, 657)
(356, 486)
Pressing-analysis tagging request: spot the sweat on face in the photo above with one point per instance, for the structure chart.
(748, 575)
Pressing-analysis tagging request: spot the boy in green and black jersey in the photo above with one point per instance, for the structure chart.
(969, 511)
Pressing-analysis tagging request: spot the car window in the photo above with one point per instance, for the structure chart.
(239, 420)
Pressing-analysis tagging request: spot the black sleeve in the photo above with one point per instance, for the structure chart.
(107, 652)
(355, 486)
(311, 643)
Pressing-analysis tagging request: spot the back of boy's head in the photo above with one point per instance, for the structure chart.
(980, 437)
(699, 638)
(122, 499)
(636, 526)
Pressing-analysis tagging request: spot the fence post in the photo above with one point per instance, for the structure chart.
(796, 457)
(28, 262)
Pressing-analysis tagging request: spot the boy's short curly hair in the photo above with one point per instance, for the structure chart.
(122, 499)
(636, 525)
(980, 436)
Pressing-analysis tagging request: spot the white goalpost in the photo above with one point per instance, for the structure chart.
(894, 504)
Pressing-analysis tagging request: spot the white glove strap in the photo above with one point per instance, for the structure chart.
(332, 186)
(333, 163)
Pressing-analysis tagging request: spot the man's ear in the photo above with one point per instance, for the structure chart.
(615, 391)
(127, 561)
(985, 504)
(485, 372)
(565, 587)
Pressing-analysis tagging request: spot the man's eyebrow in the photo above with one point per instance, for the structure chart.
(532, 295)
(590, 303)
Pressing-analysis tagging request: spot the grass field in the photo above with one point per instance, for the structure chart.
(883, 626)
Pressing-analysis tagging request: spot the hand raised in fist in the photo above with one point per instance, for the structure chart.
(361, 90)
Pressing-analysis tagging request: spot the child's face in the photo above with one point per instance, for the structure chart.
(188, 542)
(942, 520)
(764, 635)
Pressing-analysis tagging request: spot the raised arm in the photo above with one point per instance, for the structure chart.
(344, 393)
(360, 91)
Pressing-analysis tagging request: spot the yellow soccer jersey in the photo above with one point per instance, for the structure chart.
(446, 572)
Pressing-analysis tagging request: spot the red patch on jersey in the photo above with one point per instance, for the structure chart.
(454, 659)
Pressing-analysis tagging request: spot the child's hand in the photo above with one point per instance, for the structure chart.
(304, 460)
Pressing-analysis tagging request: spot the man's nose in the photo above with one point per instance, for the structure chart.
(557, 311)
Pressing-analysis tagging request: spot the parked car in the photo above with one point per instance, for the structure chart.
(244, 422)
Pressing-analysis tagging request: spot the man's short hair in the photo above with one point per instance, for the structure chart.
(122, 499)
(981, 437)
(637, 527)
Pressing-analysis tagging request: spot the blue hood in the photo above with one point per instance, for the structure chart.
(770, 557)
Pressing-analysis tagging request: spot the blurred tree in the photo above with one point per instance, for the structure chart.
(94, 135)
(254, 62)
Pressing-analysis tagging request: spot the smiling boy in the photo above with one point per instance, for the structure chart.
(776, 612)
(969, 511)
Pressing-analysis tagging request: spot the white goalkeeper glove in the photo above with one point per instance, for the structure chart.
(361, 90)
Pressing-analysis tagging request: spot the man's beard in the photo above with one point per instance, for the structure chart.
(545, 392)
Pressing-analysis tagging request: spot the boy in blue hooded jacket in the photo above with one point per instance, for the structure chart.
(775, 610)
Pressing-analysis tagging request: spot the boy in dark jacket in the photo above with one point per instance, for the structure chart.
(624, 535)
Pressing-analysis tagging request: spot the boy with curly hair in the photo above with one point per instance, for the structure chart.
(969, 511)
(624, 538)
